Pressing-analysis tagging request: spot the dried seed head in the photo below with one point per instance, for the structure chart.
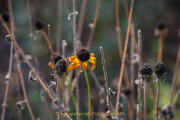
(21, 104)
(160, 68)
(145, 69)
(57, 57)
(8, 38)
(167, 110)
(61, 67)
(127, 92)
(83, 54)
(161, 25)
(39, 24)
(5, 16)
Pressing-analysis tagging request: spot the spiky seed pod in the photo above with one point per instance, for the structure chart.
(145, 69)
(39, 24)
(161, 25)
(5, 16)
(160, 68)
(61, 67)
(57, 57)
(83, 54)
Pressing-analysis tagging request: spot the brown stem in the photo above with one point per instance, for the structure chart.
(157, 107)
(129, 109)
(67, 11)
(160, 47)
(145, 111)
(106, 80)
(126, 8)
(94, 24)
(176, 97)
(119, 42)
(46, 38)
(124, 55)
(81, 18)
(58, 44)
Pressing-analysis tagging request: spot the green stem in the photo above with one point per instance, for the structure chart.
(88, 94)
(72, 94)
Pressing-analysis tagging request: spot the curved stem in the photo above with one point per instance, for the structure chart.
(89, 94)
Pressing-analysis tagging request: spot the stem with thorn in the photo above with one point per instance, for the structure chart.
(124, 55)
(106, 80)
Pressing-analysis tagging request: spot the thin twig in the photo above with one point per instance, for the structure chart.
(81, 18)
(32, 37)
(67, 11)
(58, 44)
(145, 112)
(94, 24)
(28, 63)
(132, 71)
(126, 8)
(124, 54)
(176, 97)
(139, 86)
(119, 42)
(106, 80)
(160, 47)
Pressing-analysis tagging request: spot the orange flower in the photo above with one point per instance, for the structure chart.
(83, 56)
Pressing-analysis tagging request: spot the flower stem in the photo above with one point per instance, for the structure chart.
(88, 94)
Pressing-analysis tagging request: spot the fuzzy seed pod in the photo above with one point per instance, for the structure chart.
(145, 69)
(5, 16)
(39, 24)
(160, 68)
(83, 54)
(61, 67)
(161, 25)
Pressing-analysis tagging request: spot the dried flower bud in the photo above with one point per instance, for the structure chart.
(167, 111)
(161, 25)
(39, 24)
(5, 16)
(127, 92)
(83, 54)
(57, 57)
(145, 69)
(8, 38)
(61, 67)
(160, 68)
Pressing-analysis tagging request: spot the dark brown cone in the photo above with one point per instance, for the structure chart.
(83, 54)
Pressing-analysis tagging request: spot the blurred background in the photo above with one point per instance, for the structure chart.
(145, 17)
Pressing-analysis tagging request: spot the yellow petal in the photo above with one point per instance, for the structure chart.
(92, 57)
(74, 65)
(93, 64)
(71, 59)
(84, 66)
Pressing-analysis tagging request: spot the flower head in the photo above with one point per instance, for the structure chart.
(160, 71)
(39, 24)
(83, 56)
(61, 67)
(146, 71)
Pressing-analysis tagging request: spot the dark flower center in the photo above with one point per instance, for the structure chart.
(61, 67)
(145, 69)
(83, 54)
(5, 16)
(161, 25)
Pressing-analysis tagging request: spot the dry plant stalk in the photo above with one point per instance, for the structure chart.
(106, 80)
(58, 44)
(28, 63)
(124, 55)
(126, 8)
(119, 41)
(132, 71)
(139, 86)
(94, 24)
(81, 18)
(145, 113)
